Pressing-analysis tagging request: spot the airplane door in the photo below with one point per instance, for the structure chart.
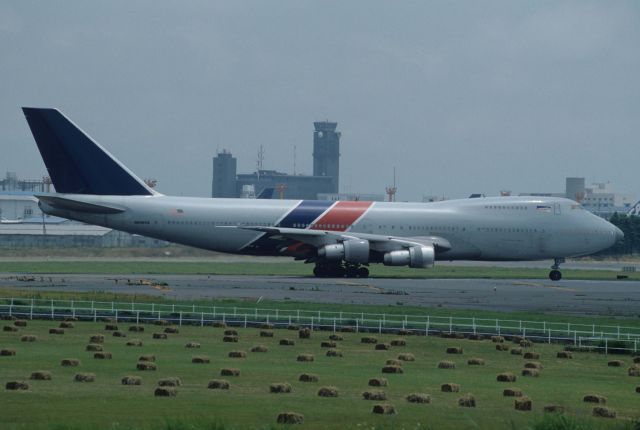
(556, 209)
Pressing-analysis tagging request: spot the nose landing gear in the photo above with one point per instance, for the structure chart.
(555, 274)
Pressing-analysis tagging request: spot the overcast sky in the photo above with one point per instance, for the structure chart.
(464, 96)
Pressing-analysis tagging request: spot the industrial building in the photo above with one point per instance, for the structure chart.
(324, 180)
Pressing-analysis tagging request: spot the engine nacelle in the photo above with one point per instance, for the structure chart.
(416, 256)
(351, 251)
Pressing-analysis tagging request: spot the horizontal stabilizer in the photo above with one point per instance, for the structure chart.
(77, 164)
(78, 206)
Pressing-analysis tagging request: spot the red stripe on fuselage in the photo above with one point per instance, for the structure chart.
(341, 216)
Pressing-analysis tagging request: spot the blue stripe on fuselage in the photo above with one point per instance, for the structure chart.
(305, 213)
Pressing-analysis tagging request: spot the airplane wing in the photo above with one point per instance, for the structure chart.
(380, 243)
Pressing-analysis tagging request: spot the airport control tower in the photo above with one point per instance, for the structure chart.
(326, 152)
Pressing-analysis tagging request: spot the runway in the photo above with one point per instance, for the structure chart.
(619, 298)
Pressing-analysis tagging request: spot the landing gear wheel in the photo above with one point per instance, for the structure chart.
(555, 275)
(338, 272)
(363, 272)
(320, 271)
(352, 272)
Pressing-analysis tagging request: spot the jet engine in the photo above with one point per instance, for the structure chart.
(416, 256)
(351, 251)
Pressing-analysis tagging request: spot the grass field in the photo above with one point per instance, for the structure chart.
(105, 403)
(289, 269)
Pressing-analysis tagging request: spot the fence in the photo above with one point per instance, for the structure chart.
(607, 338)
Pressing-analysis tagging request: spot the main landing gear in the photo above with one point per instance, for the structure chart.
(555, 274)
(324, 270)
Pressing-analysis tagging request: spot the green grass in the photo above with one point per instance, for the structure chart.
(289, 269)
(106, 404)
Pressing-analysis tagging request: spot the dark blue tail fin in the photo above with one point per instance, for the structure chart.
(77, 164)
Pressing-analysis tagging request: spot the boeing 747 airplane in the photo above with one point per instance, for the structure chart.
(341, 238)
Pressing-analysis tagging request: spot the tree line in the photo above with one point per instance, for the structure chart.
(630, 226)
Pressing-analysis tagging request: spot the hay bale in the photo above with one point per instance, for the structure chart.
(392, 369)
(147, 357)
(336, 337)
(553, 409)
(377, 395)
(41, 375)
(502, 347)
(305, 357)
(131, 380)
(266, 334)
(604, 412)
(136, 328)
(200, 359)
(564, 354)
(166, 392)
(398, 342)
(334, 353)
(119, 334)
(450, 387)
(512, 392)
(476, 362)
(405, 332)
(476, 337)
(70, 362)
(290, 418)
(161, 322)
(384, 409)
(218, 384)
(146, 365)
(20, 323)
(382, 347)
(94, 347)
(10, 329)
(170, 382)
(329, 391)
(454, 350)
(531, 372)
(368, 339)
(378, 382)
(28, 338)
(171, 330)
(634, 370)
(506, 377)
(444, 364)
(103, 355)
(287, 342)
(636, 360)
(96, 338)
(84, 377)
(638, 389)
(595, 398)
(7, 352)
(16, 386)
(516, 351)
(159, 335)
(267, 326)
(304, 333)
(497, 339)
(615, 363)
(134, 342)
(532, 356)
(280, 387)
(56, 331)
(526, 343)
(259, 348)
(192, 345)
(229, 372)
(231, 332)
(328, 344)
(348, 329)
(533, 365)
(219, 324)
(237, 354)
(406, 356)
(230, 339)
(393, 362)
(467, 401)
(308, 377)
(110, 327)
(523, 403)
(418, 398)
